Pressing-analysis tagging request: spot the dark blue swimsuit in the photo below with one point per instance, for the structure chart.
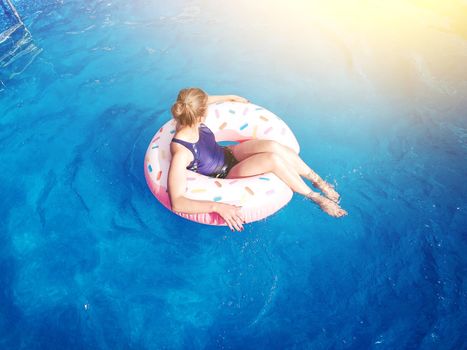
(210, 158)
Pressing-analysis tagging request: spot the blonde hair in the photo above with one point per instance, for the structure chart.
(190, 106)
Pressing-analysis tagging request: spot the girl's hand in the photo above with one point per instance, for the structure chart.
(232, 215)
(235, 98)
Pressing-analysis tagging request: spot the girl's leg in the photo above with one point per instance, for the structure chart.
(261, 163)
(248, 148)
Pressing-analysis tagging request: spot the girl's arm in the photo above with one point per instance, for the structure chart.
(225, 98)
(176, 188)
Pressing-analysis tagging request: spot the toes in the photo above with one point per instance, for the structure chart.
(331, 194)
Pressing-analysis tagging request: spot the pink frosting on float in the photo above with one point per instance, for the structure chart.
(250, 215)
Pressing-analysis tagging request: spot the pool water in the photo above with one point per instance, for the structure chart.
(376, 95)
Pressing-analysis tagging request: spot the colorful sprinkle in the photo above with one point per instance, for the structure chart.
(156, 138)
(254, 131)
(270, 192)
(231, 111)
(243, 126)
(264, 178)
(160, 130)
(156, 146)
(217, 113)
(218, 183)
(150, 168)
(172, 131)
(217, 199)
(232, 182)
(195, 190)
(159, 174)
(223, 125)
(245, 110)
(264, 118)
(268, 130)
(249, 190)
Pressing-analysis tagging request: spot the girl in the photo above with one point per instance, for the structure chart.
(195, 148)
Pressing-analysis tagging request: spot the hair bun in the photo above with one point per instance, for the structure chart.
(179, 108)
(190, 106)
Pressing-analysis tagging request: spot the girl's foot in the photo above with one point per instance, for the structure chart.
(326, 188)
(327, 205)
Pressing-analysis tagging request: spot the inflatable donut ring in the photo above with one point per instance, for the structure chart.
(259, 196)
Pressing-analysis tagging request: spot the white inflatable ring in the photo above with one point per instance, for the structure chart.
(259, 195)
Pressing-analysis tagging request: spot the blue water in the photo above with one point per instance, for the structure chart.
(89, 259)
